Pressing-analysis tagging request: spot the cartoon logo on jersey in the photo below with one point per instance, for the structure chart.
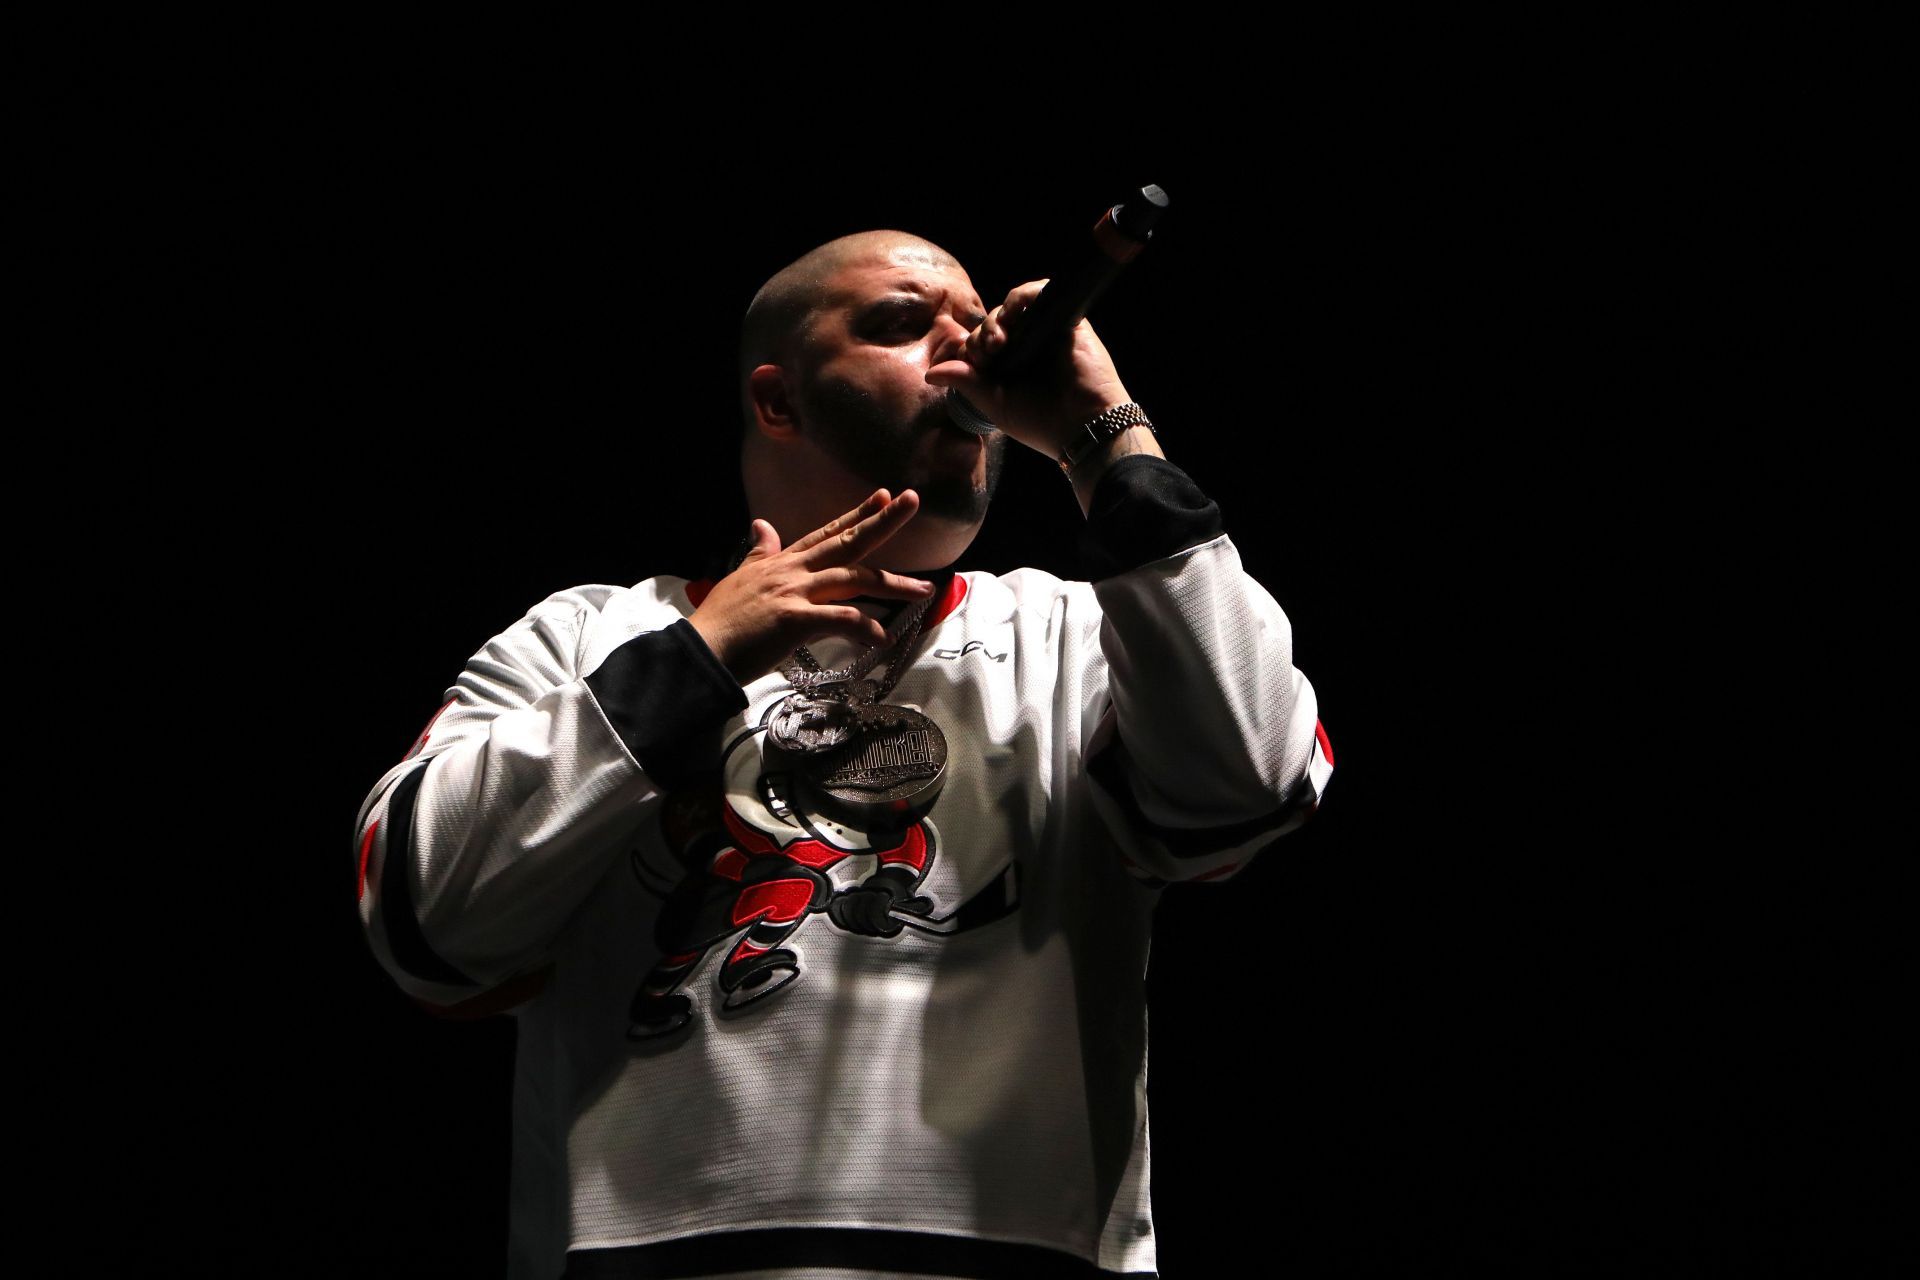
(754, 864)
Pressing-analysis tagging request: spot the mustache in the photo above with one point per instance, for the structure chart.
(933, 413)
(936, 414)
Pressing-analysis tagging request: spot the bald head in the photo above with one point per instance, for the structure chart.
(781, 314)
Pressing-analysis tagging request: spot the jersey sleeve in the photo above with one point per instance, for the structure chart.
(1206, 744)
(531, 779)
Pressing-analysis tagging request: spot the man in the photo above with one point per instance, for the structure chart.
(822, 891)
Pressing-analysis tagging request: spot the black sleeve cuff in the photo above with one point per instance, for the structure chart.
(665, 692)
(1144, 509)
(411, 950)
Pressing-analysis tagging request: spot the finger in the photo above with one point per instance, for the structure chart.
(989, 336)
(875, 503)
(766, 539)
(849, 545)
(858, 579)
(845, 620)
(877, 500)
(1020, 297)
(959, 376)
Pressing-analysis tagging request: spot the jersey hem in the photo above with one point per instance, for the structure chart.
(759, 1224)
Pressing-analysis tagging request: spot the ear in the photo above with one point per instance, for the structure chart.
(773, 411)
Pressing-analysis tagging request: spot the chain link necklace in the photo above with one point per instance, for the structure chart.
(808, 677)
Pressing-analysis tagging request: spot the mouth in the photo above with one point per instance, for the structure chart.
(962, 414)
(957, 446)
(935, 420)
(938, 418)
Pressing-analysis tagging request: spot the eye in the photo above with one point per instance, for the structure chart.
(896, 322)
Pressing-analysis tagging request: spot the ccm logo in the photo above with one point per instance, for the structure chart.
(954, 655)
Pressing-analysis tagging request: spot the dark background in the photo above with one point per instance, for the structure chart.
(1526, 996)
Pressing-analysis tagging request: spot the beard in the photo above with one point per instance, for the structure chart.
(855, 431)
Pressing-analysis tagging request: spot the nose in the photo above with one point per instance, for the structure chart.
(952, 338)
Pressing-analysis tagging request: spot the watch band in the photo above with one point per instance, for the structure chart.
(1089, 438)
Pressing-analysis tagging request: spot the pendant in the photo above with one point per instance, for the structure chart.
(801, 725)
(885, 776)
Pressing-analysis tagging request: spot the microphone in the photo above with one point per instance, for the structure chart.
(1118, 237)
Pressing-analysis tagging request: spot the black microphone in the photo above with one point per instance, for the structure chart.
(1118, 237)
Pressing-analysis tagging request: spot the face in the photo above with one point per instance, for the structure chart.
(865, 398)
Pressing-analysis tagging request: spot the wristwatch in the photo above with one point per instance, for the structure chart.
(1092, 437)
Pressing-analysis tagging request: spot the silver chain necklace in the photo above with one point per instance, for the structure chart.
(809, 678)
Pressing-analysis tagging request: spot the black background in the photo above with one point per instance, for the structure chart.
(1524, 996)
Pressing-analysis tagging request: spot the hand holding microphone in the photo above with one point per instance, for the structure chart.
(1069, 382)
(1038, 345)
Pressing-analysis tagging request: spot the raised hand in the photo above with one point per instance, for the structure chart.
(777, 598)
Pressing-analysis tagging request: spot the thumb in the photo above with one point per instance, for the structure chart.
(958, 375)
(766, 539)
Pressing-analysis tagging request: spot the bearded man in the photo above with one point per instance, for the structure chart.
(822, 890)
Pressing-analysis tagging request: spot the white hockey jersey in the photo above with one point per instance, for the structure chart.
(719, 1070)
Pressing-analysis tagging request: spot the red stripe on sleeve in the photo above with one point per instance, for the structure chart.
(420, 743)
(366, 847)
